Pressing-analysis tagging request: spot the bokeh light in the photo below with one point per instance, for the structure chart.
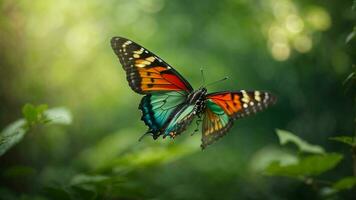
(291, 28)
(280, 51)
(303, 43)
(318, 18)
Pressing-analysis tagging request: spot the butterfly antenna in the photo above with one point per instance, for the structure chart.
(202, 75)
(218, 81)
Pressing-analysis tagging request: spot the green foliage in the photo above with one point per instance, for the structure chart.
(286, 137)
(345, 139)
(19, 172)
(350, 82)
(85, 179)
(312, 165)
(134, 154)
(351, 35)
(11, 135)
(267, 155)
(59, 115)
(345, 183)
(33, 115)
(81, 187)
(57, 193)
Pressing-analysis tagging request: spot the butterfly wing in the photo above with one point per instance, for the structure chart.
(146, 72)
(215, 123)
(158, 108)
(179, 120)
(222, 108)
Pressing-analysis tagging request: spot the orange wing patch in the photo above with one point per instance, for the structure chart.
(154, 78)
(230, 102)
(213, 122)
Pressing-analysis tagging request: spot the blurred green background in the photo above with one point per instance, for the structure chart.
(58, 53)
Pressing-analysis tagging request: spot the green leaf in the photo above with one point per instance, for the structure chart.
(59, 115)
(19, 171)
(30, 113)
(350, 82)
(57, 193)
(285, 137)
(312, 165)
(344, 139)
(34, 114)
(349, 78)
(11, 135)
(41, 109)
(345, 183)
(83, 179)
(84, 193)
(354, 5)
(351, 35)
(267, 155)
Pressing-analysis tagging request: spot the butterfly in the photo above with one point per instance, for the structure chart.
(170, 103)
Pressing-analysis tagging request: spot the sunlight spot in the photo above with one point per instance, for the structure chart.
(277, 34)
(303, 43)
(282, 8)
(318, 18)
(294, 23)
(77, 39)
(280, 51)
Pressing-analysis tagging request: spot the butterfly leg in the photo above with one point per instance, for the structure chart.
(149, 132)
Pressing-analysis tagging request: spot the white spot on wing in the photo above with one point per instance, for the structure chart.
(245, 97)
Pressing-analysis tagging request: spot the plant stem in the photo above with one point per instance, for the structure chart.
(354, 158)
(354, 143)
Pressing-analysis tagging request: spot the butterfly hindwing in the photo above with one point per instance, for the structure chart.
(215, 123)
(223, 107)
(158, 108)
(179, 121)
(146, 72)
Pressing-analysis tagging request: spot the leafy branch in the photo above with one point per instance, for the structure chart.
(32, 116)
(310, 162)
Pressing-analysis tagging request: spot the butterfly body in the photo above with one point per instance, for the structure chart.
(170, 104)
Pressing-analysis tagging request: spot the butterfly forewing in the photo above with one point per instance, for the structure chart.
(242, 103)
(146, 72)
